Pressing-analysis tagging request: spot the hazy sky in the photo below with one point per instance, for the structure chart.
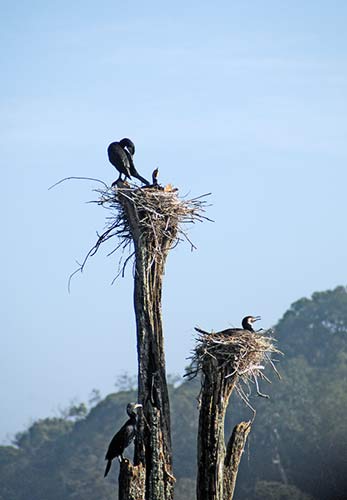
(246, 99)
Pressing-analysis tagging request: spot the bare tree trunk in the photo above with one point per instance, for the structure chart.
(153, 443)
(217, 469)
(236, 445)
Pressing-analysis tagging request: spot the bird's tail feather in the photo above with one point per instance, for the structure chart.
(108, 467)
(201, 331)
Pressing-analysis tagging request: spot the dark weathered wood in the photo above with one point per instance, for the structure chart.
(153, 443)
(131, 481)
(235, 448)
(217, 466)
(215, 394)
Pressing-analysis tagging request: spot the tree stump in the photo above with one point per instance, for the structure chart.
(216, 475)
(235, 448)
(132, 481)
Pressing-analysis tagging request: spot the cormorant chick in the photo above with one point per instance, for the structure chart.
(246, 325)
(155, 177)
(123, 437)
(121, 155)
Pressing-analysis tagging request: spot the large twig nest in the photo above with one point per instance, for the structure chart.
(160, 212)
(156, 216)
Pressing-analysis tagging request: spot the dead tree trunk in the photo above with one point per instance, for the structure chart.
(224, 360)
(132, 481)
(236, 445)
(215, 481)
(151, 220)
(153, 443)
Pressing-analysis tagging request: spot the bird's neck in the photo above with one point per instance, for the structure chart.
(248, 327)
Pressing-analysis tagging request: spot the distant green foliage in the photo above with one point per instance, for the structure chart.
(272, 490)
(75, 411)
(40, 433)
(316, 328)
(302, 430)
(299, 435)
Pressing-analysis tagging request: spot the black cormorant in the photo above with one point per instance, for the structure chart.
(247, 323)
(123, 437)
(121, 155)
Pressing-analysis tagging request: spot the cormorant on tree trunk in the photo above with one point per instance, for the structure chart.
(123, 438)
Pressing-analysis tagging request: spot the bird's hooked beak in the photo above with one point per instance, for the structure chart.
(256, 318)
(138, 405)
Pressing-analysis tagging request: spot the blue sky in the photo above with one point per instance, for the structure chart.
(243, 99)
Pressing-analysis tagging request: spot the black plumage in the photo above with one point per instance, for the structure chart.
(123, 437)
(155, 177)
(121, 155)
(247, 323)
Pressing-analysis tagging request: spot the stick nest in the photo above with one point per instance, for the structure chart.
(242, 355)
(160, 216)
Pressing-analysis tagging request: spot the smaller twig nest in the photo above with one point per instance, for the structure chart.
(242, 355)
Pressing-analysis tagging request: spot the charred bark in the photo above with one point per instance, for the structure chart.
(132, 481)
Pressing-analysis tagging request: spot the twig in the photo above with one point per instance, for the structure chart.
(78, 178)
(273, 366)
(258, 390)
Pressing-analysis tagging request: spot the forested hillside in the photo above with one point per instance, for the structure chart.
(297, 449)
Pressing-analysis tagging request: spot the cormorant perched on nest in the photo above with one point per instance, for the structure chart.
(247, 323)
(123, 437)
(121, 155)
